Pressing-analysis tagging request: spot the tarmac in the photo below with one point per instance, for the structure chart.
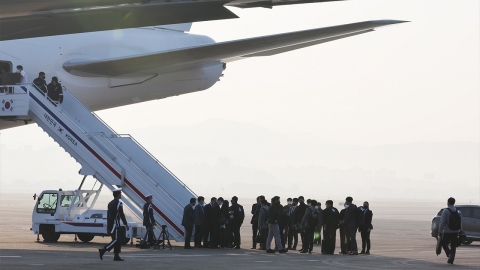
(400, 240)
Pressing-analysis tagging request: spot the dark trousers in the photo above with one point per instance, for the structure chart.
(254, 234)
(329, 238)
(264, 236)
(285, 235)
(149, 239)
(351, 234)
(292, 237)
(198, 237)
(236, 234)
(343, 240)
(225, 236)
(214, 235)
(365, 233)
(302, 236)
(450, 239)
(282, 236)
(188, 235)
(206, 235)
(117, 238)
(308, 236)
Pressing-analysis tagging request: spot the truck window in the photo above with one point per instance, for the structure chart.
(466, 211)
(66, 200)
(47, 203)
(476, 213)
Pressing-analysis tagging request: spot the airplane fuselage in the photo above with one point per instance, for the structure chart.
(48, 54)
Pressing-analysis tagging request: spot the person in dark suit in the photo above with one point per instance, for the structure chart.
(148, 219)
(117, 232)
(237, 216)
(199, 222)
(225, 226)
(215, 221)
(55, 91)
(351, 226)
(366, 227)
(300, 212)
(254, 222)
(40, 82)
(208, 230)
(292, 231)
(188, 221)
(341, 226)
(330, 218)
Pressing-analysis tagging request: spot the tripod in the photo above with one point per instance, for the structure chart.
(164, 236)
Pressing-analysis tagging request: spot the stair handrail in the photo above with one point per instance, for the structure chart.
(158, 161)
(131, 160)
(89, 110)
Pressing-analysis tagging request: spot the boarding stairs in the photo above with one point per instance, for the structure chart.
(115, 160)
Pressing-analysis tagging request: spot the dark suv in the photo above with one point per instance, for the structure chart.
(470, 222)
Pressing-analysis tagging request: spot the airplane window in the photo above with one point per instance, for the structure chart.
(47, 203)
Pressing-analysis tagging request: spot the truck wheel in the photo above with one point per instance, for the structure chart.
(49, 234)
(125, 241)
(85, 237)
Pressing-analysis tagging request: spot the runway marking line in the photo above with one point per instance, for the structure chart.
(10, 256)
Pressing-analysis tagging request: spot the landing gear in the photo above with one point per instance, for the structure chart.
(48, 233)
(85, 237)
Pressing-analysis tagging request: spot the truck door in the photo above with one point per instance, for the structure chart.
(47, 205)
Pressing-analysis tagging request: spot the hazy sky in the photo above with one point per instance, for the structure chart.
(417, 81)
(413, 82)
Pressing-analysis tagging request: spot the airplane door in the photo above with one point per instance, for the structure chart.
(5, 66)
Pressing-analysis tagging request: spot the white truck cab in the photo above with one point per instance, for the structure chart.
(59, 212)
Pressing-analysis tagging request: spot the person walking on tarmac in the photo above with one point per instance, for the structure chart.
(449, 228)
(117, 232)
(148, 220)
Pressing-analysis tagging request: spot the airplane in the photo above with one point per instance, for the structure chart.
(111, 53)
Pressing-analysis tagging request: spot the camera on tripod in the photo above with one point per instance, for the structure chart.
(162, 240)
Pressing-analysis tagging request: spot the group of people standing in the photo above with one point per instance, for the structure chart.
(284, 224)
(53, 90)
(217, 224)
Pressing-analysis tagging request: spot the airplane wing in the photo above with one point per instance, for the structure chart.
(183, 58)
(36, 18)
